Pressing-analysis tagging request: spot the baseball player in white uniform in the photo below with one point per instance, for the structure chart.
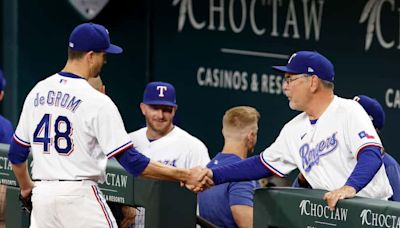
(332, 142)
(72, 129)
(161, 140)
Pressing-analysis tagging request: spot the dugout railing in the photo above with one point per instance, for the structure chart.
(293, 207)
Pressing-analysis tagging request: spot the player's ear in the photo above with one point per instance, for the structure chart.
(90, 56)
(249, 140)
(250, 135)
(1, 95)
(142, 108)
(315, 83)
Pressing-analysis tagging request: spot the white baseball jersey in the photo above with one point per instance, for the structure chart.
(178, 148)
(72, 129)
(326, 152)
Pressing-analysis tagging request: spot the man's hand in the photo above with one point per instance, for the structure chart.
(25, 196)
(26, 190)
(26, 202)
(333, 197)
(199, 179)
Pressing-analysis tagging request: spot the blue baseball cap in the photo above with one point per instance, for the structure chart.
(92, 37)
(159, 93)
(374, 110)
(2, 81)
(309, 62)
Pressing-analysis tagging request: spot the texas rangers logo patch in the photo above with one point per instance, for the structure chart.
(364, 134)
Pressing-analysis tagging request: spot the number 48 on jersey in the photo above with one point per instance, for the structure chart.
(61, 138)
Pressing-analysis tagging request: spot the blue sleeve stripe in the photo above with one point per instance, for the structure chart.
(17, 153)
(133, 161)
(21, 142)
(120, 149)
(270, 167)
(365, 145)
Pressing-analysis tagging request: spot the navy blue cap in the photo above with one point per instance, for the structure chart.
(159, 93)
(2, 81)
(309, 62)
(92, 37)
(374, 110)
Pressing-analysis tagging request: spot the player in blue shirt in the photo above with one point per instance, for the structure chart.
(6, 128)
(231, 204)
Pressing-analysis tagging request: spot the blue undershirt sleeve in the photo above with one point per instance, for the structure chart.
(17, 153)
(369, 162)
(133, 161)
(247, 169)
(393, 174)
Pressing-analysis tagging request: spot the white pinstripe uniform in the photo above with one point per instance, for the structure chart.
(326, 152)
(72, 130)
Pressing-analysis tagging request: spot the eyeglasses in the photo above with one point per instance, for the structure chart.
(290, 79)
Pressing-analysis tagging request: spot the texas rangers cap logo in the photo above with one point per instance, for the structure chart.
(161, 90)
(89, 9)
(159, 93)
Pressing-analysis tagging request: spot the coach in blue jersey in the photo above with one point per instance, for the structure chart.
(332, 142)
(231, 204)
(6, 128)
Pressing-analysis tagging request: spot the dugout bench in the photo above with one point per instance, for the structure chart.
(166, 203)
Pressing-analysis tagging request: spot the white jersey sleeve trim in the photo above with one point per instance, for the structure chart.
(368, 144)
(270, 167)
(119, 149)
(21, 142)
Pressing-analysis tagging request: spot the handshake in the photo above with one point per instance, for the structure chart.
(198, 179)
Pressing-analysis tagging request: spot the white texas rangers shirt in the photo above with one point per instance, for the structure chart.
(71, 128)
(178, 148)
(326, 151)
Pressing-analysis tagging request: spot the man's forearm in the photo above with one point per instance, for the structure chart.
(243, 215)
(368, 164)
(23, 178)
(158, 171)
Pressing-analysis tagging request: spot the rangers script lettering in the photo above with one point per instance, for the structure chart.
(311, 157)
